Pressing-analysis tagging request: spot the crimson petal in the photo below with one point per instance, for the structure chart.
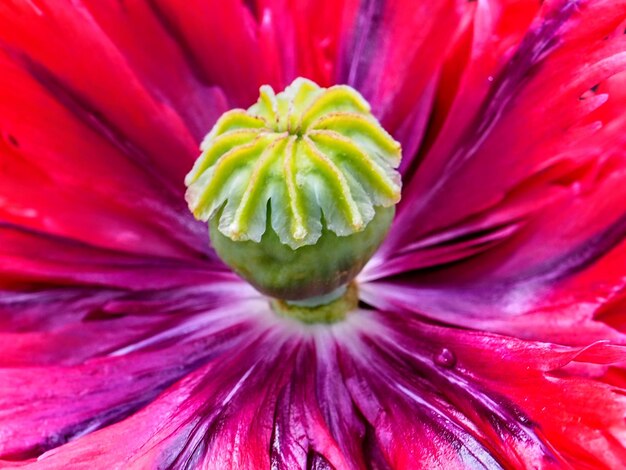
(378, 390)
(150, 355)
(458, 170)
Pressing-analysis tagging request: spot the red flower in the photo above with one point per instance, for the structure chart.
(491, 321)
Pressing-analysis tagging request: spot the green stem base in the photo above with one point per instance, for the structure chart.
(338, 304)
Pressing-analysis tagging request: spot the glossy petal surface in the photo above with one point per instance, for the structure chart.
(491, 331)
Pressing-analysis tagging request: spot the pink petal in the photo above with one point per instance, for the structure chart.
(124, 342)
(43, 407)
(377, 390)
(487, 392)
(548, 281)
(307, 38)
(474, 166)
(395, 55)
(60, 176)
(29, 259)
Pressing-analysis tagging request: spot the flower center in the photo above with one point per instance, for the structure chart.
(299, 191)
(329, 308)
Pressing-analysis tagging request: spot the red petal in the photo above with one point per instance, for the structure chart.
(545, 279)
(524, 128)
(545, 247)
(307, 38)
(137, 30)
(31, 258)
(396, 52)
(220, 42)
(376, 390)
(59, 176)
(61, 403)
(98, 133)
(95, 78)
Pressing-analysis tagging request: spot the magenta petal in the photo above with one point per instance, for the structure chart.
(67, 326)
(125, 343)
(64, 402)
(64, 174)
(30, 258)
(377, 390)
(220, 414)
(510, 142)
(76, 343)
(394, 56)
(547, 280)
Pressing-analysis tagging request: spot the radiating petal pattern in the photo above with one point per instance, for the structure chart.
(562, 211)
(152, 351)
(31, 258)
(462, 170)
(394, 56)
(491, 330)
(359, 394)
(68, 167)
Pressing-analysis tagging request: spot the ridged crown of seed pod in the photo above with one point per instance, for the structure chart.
(311, 157)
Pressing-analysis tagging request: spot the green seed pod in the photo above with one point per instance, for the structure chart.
(299, 190)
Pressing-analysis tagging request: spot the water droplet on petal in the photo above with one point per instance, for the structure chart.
(445, 358)
(521, 417)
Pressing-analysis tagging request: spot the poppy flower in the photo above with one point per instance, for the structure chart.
(490, 326)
